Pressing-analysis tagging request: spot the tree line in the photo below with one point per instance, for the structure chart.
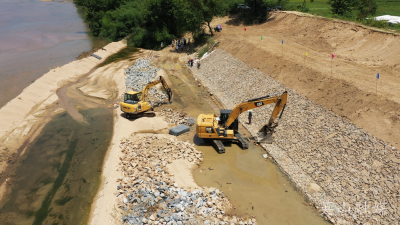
(148, 23)
(364, 8)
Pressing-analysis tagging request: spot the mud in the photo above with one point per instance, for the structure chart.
(57, 174)
(58, 177)
(253, 184)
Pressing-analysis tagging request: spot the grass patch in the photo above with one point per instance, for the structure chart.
(323, 8)
(125, 53)
(206, 47)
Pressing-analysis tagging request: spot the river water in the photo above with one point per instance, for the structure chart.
(54, 181)
(36, 36)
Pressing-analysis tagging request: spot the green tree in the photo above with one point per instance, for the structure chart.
(366, 8)
(258, 13)
(121, 22)
(340, 7)
(209, 9)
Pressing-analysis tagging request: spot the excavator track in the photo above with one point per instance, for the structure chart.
(219, 146)
(145, 114)
(243, 144)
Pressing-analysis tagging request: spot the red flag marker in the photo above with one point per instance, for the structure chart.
(331, 62)
(245, 29)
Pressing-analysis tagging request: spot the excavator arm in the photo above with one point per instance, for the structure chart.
(279, 98)
(265, 134)
(153, 83)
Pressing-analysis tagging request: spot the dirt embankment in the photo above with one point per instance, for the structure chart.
(350, 89)
(334, 162)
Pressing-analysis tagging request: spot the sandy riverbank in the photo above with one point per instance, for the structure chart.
(22, 118)
(174, 158)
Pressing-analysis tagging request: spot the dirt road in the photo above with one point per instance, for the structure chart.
(349, 89)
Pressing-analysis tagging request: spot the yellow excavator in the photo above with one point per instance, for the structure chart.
(135, 104)
(224, 128)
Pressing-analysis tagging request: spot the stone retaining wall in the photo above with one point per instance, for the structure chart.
(347, 173)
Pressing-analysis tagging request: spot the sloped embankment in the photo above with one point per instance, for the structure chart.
(344, 170)
(347, 85)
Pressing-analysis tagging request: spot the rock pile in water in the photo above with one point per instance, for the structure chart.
(345, 171)
(147, 193)
(176, 117)
(140, 74)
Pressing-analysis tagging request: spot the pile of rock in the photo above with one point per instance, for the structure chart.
(176, 117)
(140, 74)
(147, 193)
(348, 173)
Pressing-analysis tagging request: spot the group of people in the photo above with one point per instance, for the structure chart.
(191, 62)
(180, 44)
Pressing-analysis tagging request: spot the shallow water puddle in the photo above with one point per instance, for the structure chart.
(254, 185)
(60, 174)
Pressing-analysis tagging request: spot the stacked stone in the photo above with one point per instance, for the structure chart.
(336, 164)
(176, 117)
(140, 74)
(147, 193)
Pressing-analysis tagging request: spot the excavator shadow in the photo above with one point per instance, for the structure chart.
(209, 142)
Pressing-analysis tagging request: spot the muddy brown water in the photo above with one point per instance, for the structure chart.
(36, 36)
(255, 185)
(56, 179)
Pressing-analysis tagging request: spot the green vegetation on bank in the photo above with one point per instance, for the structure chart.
(148, 23)
(323, 7)
(358, 10)
(123, 54)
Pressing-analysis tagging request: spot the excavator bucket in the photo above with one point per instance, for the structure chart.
(264, 135)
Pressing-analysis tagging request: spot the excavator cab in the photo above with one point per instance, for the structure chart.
(132, 97)
(135, 102)
(224, 117)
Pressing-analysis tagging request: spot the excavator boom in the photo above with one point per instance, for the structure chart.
(279, 98)
(153, 83)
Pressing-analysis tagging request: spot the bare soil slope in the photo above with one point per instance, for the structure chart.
(349, 89)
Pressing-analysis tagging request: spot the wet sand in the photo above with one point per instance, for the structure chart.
(59, 174)
(22, 119)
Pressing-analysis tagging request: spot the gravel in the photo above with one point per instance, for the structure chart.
(330, 160)
(149, 195)
(176, 117)
(140, 74)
